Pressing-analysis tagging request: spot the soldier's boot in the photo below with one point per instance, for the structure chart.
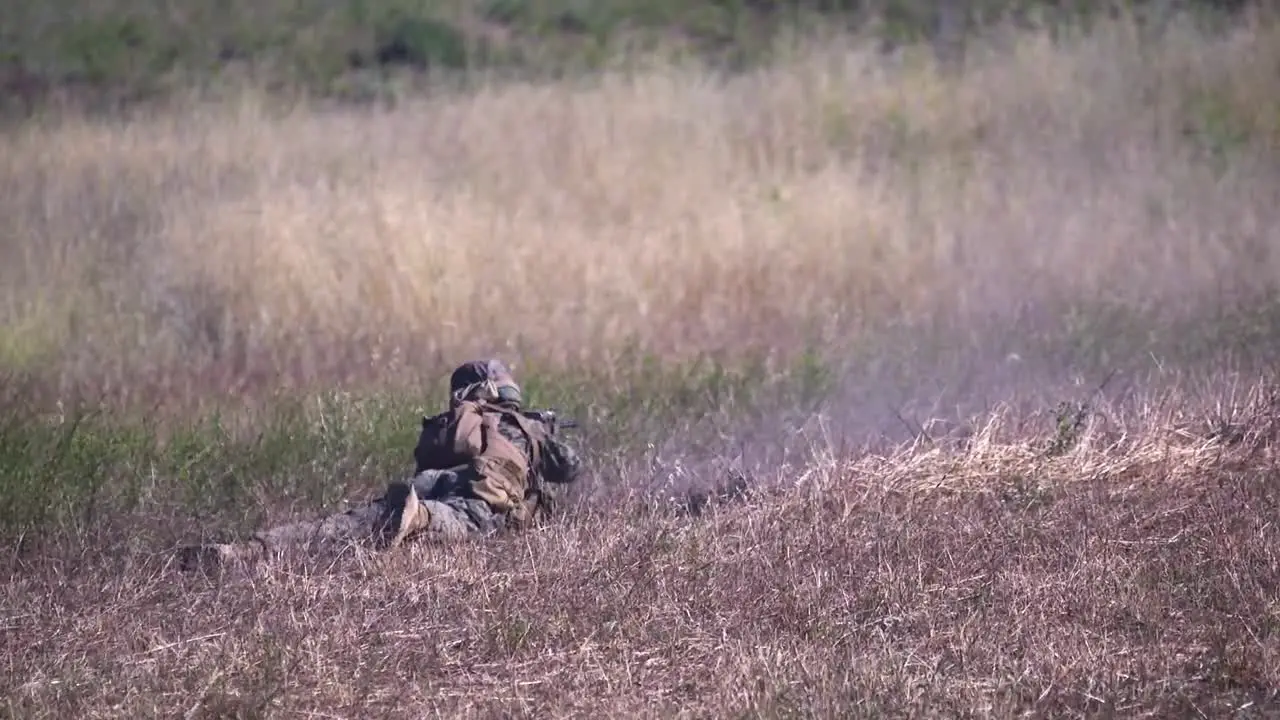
(406, 515)
(218, 556)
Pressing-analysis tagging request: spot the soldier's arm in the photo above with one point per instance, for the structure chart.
(560, 462)
(432, 452)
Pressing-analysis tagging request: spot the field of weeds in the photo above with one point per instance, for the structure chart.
(993, 347)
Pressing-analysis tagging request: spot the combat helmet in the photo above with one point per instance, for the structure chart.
(487, 380)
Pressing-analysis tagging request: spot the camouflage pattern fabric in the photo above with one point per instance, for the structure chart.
(440, 502)
(488, 380)
(442, 518)
(543, 461)
(451, 517)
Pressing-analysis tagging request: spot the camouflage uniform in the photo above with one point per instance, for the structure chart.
(458, 489)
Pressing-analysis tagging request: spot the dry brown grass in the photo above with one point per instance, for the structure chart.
(664, 209)
(1135, 575)
(821, 200)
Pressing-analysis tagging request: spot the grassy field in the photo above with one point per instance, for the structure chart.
(993, 345)
(104, 54)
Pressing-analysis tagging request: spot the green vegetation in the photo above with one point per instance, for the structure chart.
(1051, 271)
(111, 52)
(203, 349)
(65, 471)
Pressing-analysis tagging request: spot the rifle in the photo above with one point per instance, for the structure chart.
(550, 418)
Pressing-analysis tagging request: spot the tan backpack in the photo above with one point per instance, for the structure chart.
(502, 470)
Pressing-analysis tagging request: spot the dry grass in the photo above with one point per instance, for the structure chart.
(1123, 566)
(664, 209)
(1135, 574)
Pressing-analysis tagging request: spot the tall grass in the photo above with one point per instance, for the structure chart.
(716, 274)
(664, 252)
(1134, 572)
(667, 210)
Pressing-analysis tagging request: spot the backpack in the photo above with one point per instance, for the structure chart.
(502, 472)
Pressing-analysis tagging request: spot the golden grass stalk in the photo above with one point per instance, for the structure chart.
(669, 208)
